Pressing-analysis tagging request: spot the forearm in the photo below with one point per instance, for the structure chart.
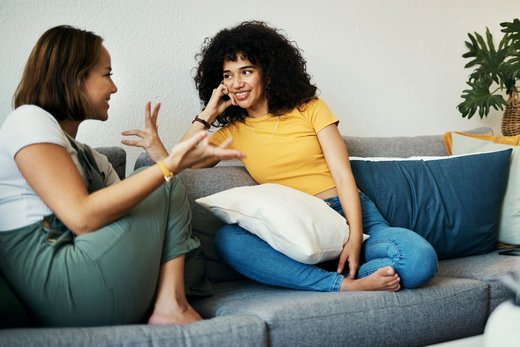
(109, 204)
(349, 198)
(197, 126)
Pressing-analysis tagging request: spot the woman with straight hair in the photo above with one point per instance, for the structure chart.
(79, 246)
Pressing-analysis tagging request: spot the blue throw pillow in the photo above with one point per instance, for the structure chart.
(453, 202)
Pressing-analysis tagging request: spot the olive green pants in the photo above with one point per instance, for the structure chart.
(108, 276)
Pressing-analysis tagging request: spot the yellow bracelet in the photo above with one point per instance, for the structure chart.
(168, 175)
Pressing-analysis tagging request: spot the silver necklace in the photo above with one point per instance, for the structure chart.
(275, 128)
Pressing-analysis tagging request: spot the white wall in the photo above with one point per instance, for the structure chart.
(385, 67)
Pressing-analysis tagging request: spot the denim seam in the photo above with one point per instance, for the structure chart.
(336, 286)
(395, 259)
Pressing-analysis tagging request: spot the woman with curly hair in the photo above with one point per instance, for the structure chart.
(253, 83)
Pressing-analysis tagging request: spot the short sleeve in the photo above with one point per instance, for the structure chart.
(28, 125)
(319, 114)
(218, 137)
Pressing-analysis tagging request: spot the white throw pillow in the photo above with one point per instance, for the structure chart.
(509, 223)
(297, 224)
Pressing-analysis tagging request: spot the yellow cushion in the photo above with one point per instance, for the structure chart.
(504, 140)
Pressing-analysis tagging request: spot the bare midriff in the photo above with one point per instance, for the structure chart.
(329, 193)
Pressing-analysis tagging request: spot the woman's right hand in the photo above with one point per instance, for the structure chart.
(149, 138)
(196, 149)
(218, 103)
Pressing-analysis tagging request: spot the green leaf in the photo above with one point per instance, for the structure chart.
(480, 99)
(497, 66)
(486, 57)
(512, 29)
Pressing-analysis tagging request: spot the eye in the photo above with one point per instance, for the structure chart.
(248, 72)
(227, 76)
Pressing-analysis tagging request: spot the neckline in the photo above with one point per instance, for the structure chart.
(259, 119)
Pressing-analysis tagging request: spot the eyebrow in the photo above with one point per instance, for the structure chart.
(243, 68)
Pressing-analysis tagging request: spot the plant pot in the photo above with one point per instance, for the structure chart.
(502, 326)
(511, 118)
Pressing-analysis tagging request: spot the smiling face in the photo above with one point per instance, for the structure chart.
(245, 83)
(98, 87)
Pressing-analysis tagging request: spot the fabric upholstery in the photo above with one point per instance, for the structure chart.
(489, 268)
(450, 201)
(299, 318)
(509, 222)
(220, 331)
(295, 223)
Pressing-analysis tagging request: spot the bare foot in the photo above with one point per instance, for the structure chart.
(183, 314)
(384, 278)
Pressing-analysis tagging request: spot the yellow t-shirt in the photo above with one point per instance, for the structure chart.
(284, 149)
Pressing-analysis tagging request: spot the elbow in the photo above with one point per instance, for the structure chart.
(80, 225)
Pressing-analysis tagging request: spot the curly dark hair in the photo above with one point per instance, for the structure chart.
(287, 83)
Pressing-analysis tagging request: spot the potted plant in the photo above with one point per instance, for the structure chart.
(496, 70)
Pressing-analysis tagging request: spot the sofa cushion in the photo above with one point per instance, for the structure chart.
(400, 146)
(489, 268)
(297, 224)
(453, 202)
(505, 140)
(444, 309)
(220, 331)
(509, 222)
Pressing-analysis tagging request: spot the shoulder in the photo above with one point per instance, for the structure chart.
(314, 105)
(223, 133)
(30, 117)
(315, 108)
(29, 124)
(317, 113)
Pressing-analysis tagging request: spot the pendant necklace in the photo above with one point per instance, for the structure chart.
(275, 128)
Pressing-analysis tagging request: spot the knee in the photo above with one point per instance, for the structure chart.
(419, 263)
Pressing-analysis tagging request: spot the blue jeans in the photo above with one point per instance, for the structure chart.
(412, 257)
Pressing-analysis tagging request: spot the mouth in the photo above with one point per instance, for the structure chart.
(241, 96)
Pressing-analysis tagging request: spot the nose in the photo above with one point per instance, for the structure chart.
(237, 82)
(114, 88)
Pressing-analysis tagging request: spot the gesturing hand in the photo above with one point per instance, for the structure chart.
(149, 137)
(197, 149)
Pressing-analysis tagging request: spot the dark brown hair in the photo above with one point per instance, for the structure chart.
(55, 71)
(287, 83)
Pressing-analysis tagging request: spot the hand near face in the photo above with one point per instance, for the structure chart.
(219, 101)
(149, 138)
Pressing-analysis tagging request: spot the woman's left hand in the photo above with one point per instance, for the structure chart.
(149, 137)
(350, 253)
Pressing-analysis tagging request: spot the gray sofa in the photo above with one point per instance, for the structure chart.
(453, 305)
